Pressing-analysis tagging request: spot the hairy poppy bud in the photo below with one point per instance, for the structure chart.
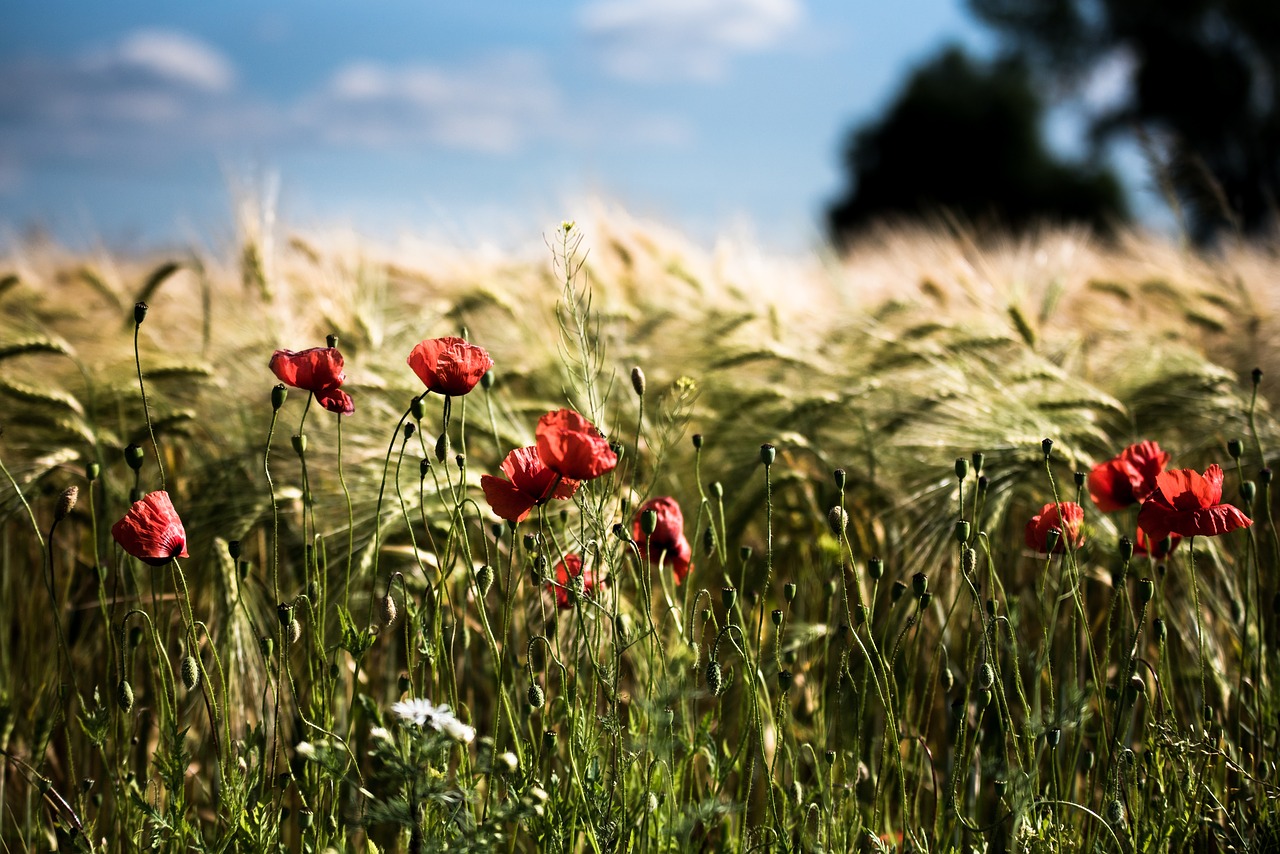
(484, 579)
(1146, 590)
(841, 478)
(278, 394)
(986, 676)
(837, 519)
(875, 568)
(1115, 811)
(295, 631)
(1158, 630)
(486, 380)
(768, 453)
(697, 441)
(134, 456)
(978, 459)
(442, 447)
(66, 503)
(418, 407)
(969, 561)
(124, 696)
(1235, 448)
(789, 592)
(1046, 446)
(962, 531)
(139, 313)
(715, 679)
(962, 468)
(637, 381)
(920, 583)
(387, 610)
(537, 697)
(190, 673)
(92, 471)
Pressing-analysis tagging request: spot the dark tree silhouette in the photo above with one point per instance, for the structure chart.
(1205, 89)
(964, 138)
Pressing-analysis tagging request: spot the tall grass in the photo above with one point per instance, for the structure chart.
(846, 666)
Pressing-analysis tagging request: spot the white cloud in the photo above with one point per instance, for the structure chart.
(175, 57)
(684, 39)
(496, 104)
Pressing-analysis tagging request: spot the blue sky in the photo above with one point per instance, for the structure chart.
(133, 121)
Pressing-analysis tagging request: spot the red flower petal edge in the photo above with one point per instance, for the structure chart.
(566, 570)
(1066, 517)
(151, 531)
(572, 447)
(449, 366)
(1186, 503)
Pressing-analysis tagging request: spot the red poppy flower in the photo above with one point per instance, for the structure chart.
(528, 484)
(1187, 503)
(449, 366)
(667, 538)
(151, 531)
(566, 570)
(1144, 545)
(572, 447)
(1066, 517)
(319, 371)
(1127, 478)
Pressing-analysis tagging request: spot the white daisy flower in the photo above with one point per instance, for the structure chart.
(423, 713)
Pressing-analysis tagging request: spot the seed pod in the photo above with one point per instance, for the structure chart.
(637, 381)
(784, 680)
(776, 616)
(1146, 590)
(134, 455)
(66, 503)
(830, 757)
(898, 589)
(1052, 737)
(962, 531)
(267, 647)
(1079, 478)
(442, 447)
(387, 610)
(278, 394)
(841, 478)
(487, 379)
(418, 407)
(920, 583)
(305, 818)
(829, 588)
(1235, 448)
(648, 522)
(537, 697)
(715, 679)
(1047, 447)
(962, 468)
(92, 471)
(768, 453)
(744, 552)
(1159, 631)
(1051, 538)
(875, 568)
(697, 441)
(409, 429)
(789, 592)
(299, 444)
(484, 579)
(978, 459)
(139, 313)
(728, 596)
(124, 696)
(1248, 492)
(190, 673)
(1125, 547)
(999, 787)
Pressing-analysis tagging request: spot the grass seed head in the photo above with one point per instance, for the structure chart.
(66, 503)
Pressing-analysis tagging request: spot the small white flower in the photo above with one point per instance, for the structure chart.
(415, 711)
(455, 728)
(509, 762)
(422, 713)
(306, 750)
(380, 733)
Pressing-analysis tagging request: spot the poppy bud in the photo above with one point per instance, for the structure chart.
(91, 472)
(709, 541)
(1159, 631)
(139, 313)
(717, 490)
(300, 444)
(1052, 737)
(706, 618)
(920, 583)
(190, 673)
(776, 616)
(461, 462)
(530, 542)
(442, 447)
(999, 786)
(784, 680)
(134, 455)
(266, 646)
(962, 468)
(744, 552)
(789, 592)
(837, 519)
(295, 631)
(1125, 549)
(962, 531)
(617, 449)
(484, 579)
(278, 394)
(1136, 685)
(1146, 590)
(305, 818)
(969, 561)
(978, 459)
(715, 679)
(1079, 478)
(486, 380)
(898, 589)
(620, 531)
(841, 478)
(497, 529)
(1115, 811)
(946, 679)
(403, 684)
(1046, 446)
(728, 596)
(925, 599)
(418, 407)
(1235, 448)
(984, 699)
(233, 549)
(649, 522)
(284, 612)
(768, 453)
(830, 757)
(1264, 476)
(66, 503)
(1051, 539)
(124, 696)
(637, 381)
(408, 430)
(1257, 376)
(1248, 492)
(697, 441)
(387, 610)
(875, 568)
(986, 676)
(536, 696)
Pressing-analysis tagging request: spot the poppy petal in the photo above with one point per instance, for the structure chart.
(507, 502)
